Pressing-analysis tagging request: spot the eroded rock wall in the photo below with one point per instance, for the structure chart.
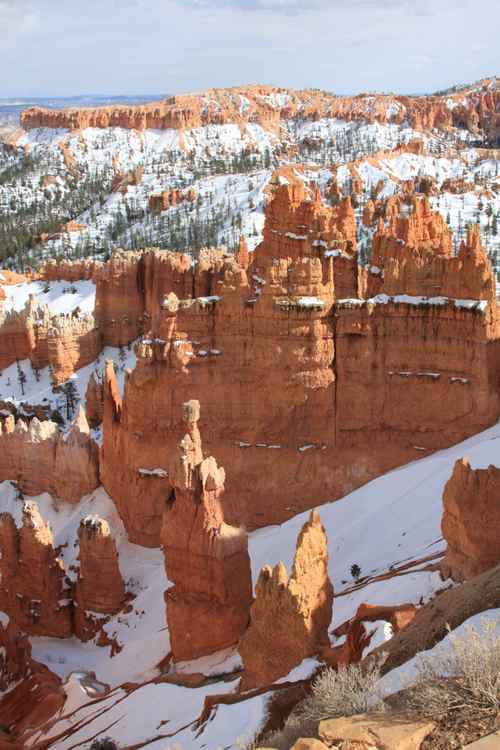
(42, 459)
(299, 387)
(474, 109)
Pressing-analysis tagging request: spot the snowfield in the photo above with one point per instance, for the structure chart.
(61, 297)
(390, 522)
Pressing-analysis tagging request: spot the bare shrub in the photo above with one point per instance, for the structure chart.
(105, 743)
(464, 679)
(348, 691)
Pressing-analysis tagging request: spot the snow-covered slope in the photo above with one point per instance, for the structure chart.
(392, 522)
(84, 175)
(61, 297)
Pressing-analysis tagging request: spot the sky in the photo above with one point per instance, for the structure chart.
(145, 47)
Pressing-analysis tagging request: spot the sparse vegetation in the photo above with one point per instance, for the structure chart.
(346, 692)
(106, 743)
(459, 688)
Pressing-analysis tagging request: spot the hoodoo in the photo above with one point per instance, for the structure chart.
(99, 590)
(33, 589)
(205, 558)
(471, 518)
(290, 616)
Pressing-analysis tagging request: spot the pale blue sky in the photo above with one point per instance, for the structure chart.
(66, 47)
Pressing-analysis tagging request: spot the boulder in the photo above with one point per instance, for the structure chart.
(385, 731)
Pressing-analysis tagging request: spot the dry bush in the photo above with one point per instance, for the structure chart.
(464, 679)
(348, 691)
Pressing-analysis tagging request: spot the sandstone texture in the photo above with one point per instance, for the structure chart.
(63, 342)
(33, 589)
(290, 615)
(358, 635)
(205, 558)
(15, 652)
(94, 401)
(308, 379)
(305, 380)
(39, 598)
(99, 588)
(30, 693)
(384, 731)
(42, 459)
(471, 518)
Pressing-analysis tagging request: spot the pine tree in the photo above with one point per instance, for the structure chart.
(71, 395)
(21, 377)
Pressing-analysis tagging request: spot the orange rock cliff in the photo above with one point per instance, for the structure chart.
(304, 381)
(475, 109)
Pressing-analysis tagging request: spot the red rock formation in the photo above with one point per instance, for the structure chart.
(207, 560)
(33, 694)
(72, 343)
(290, 616)
(121, 181)
(358, 636)
(242, 255)
(296, 383)
(41, 459)
(421, 230)
(169, 198)
(475, 108)
(368, 213)
(76, 461)
(99, 590)
(471, 515)
(23, 334)
(32, 582)
(131, 287)
(231, 337)
(29, 706)
(73, 226)
(119, 307)
(420, 271)
(411, 376)
(66, 343)
(68, 270)
(15, 652)
(297, 221)
(94, 401)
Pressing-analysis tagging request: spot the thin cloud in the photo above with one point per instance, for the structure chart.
(15, 17)
(67, 47)
(296, 6)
